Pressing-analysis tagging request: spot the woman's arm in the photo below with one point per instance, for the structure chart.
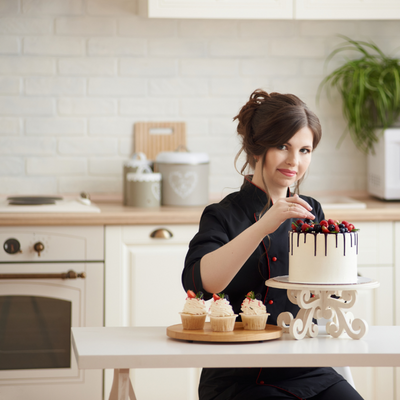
(219, 267)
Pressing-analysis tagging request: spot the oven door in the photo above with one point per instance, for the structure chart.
(36, 316)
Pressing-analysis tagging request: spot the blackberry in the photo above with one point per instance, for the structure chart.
(307, 221)
(318, 228)
(298, 229)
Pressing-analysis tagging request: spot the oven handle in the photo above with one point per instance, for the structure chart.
(64, 275)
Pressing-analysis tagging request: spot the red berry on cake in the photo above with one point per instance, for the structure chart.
(191, 294)
(350, 227)
(251, 295)
(324, 223)
(325, 229)
(305, 227)
(216, 297)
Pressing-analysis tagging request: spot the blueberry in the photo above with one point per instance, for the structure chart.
(342, 230)
(331, 227)
(311, 229)
(346, 230)
(341, 226)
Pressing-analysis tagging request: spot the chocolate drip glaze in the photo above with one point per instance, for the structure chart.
(344, 244)
(353, 242)
(326, 244)
(315, 244)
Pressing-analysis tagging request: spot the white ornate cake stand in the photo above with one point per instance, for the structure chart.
(316, 301)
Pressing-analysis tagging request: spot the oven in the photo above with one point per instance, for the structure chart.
(51, 279)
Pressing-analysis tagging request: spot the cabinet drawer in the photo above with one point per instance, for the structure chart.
(158, 234)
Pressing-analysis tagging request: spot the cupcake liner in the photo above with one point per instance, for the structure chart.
(193, 321)
(223, 324)
(254, 322)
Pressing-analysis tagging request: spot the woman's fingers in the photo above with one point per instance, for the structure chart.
(297, 211)
(297, 200)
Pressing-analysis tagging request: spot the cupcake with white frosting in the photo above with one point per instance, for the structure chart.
(254, 313)
(222, 317)
(194, 311)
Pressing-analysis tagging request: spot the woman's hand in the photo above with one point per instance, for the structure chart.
(283, 209)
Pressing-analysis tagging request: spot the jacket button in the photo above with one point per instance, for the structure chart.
(274, 258)
(270, 302)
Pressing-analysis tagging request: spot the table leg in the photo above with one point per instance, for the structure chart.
(122, 388)
(320, 304)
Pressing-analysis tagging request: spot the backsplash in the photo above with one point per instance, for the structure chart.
(76, 75)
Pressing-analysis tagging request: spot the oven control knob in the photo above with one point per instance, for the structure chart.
(12, 246)
(39, 247)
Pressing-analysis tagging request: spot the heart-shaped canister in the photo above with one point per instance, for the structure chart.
(185, 177)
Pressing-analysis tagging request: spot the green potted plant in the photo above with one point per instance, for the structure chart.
(370, 89)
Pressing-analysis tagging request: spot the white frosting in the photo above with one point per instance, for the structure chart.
(253, 307)
(194, 307)
(220, 308)
(323, 258)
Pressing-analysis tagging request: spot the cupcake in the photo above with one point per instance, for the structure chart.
(194, 311)
(254, 313)
(222, 317)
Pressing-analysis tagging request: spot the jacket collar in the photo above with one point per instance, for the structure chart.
(255, 198)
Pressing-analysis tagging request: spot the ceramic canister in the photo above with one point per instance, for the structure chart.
(144, 188)
(185, 178)
(137, 160)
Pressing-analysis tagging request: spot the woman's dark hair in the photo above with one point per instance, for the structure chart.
(270, 120)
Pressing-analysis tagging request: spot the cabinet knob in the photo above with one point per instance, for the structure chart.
(161, 233)
(38, 247)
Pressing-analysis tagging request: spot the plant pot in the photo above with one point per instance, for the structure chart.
(384, 166)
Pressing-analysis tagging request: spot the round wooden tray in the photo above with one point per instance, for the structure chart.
(236, 336)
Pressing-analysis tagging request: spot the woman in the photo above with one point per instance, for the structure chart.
(242, 242)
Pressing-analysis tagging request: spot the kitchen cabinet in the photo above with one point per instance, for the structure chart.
(346, 9)
(376, 306)
(217, 9)
(271, 9)
(143, 288)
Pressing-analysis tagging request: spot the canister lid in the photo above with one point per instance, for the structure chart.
(177, 157)
(137, 160)
(144, 174)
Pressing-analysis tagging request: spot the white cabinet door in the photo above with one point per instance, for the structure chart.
(347, 9)
(143, 288)
(376, 306)
(221, 9)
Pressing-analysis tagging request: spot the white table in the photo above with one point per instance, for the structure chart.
(124, 348)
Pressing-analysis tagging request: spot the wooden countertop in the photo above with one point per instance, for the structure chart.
(114, 213)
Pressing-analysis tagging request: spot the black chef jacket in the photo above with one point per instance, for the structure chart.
(219, 224)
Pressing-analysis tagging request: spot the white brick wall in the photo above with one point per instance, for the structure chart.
(75, 76)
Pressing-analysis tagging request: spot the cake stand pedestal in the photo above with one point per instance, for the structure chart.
(316, 301)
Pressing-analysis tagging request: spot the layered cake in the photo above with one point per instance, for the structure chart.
(324, 252)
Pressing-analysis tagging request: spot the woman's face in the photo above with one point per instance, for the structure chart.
(286, 164)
